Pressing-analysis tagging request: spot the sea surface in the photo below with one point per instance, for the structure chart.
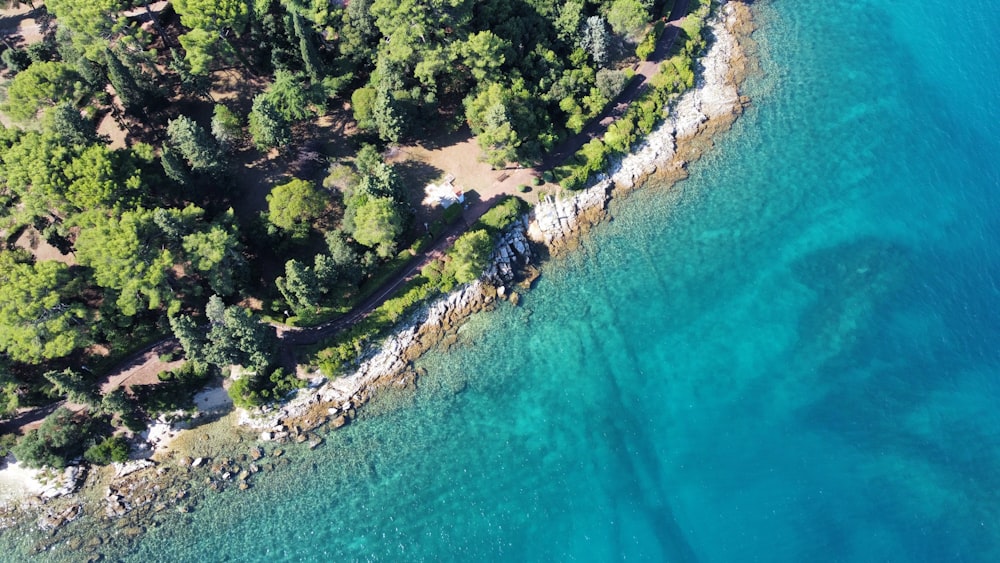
(794, 355)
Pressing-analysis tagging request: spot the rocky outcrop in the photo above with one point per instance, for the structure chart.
(557, 218)
(55, 520)
(512, 253)
(66, 483)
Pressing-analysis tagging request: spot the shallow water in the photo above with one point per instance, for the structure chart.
(791, 357)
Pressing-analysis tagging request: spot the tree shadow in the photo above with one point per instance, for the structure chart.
(417, 174)
(442, 137)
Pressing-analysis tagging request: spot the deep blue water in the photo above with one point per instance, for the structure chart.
(793, 356)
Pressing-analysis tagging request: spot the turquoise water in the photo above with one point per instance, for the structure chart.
(792, 357)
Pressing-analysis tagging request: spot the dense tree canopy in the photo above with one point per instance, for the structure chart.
(293, 206)
(127, 260)
(142, 154)
(39, 318)
(378, 223)
(41, 85)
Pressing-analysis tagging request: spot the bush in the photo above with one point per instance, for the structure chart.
(243, 394)
(524, 188)
(536, 181)
(7, 442)
(167, 357)
(648, 45)
(58, 440)
(453, 213)
(15, 60)
(113, 448)
(254, 390)
(501, 215)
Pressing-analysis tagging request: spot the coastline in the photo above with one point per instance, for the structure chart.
(554, 226)
(694, 119)
(555, 223)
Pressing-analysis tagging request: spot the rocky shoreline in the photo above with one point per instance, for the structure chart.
(555, 223)
(132, 496)
(694, 118)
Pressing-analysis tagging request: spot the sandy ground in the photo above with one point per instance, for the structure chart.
(144, 369)
(17, 481)
(19, 23)
(213, 400)
(33, 241)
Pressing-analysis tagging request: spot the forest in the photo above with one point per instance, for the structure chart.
(134, 203)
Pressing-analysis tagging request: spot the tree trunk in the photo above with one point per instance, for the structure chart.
(156, 24)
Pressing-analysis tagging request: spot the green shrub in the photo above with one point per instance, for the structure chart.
(503, 214)
(243, 394)
(59, 439)
(254, 390)
(7, 442)
(648, 45)
(452, 213)
(167, 357)
(524, 188)
(113, 448)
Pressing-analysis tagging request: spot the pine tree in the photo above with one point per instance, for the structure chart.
(299, 286)
(124, 83)
(268, 127)
(197, 147)
(307, 46)
(596, 40)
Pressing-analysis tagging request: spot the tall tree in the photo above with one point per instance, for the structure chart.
(128, 259)
(238, 336)
(41, 85)
(227, 127)
(91, 22)
(191, 336)
(378, 222)
(39, 320)
(217, 254)
(67, 122)
(294, 205)
(596, 40)
(469, 254)
(627, 17)
(74, 386)
(125, 83)
(268, 127)
(213, 22)
(60, 438)
(299, 286)
(196, 145)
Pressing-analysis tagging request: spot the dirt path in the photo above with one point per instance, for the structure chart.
(143, 366)
(506, 184)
